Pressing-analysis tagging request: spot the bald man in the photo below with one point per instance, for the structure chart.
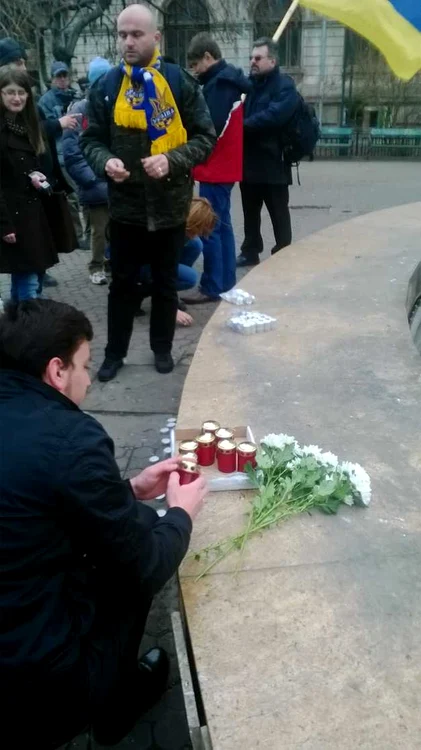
(149, 126)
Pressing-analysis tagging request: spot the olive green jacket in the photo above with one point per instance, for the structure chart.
(157, 204)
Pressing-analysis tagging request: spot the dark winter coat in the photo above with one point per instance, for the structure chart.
(156, 204)
(223, 85)
(68, 522)
(92, 190)
(269, 106)
(55, 103)
(22, 208)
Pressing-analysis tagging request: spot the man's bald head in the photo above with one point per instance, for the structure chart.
(138, 34)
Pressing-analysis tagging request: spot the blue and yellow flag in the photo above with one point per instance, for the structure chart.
(394, 26)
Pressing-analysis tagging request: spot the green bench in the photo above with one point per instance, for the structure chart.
(335, 142)
(398, 142)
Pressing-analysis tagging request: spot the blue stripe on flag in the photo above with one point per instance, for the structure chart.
(410, 10)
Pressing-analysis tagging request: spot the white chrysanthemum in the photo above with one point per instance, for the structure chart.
(360, 480)
(278, 441)
(329, 459)
(291, 465)
(313, 451)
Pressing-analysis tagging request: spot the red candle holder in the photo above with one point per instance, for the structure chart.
(187, 446)
(210, 426)
(206, 448)
(188, 471)
(224, 433)
(226, 456)
(246, 454)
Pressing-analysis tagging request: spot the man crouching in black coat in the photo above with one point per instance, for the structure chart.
(80, 557)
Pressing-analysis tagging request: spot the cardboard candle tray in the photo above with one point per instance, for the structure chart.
(217, 481)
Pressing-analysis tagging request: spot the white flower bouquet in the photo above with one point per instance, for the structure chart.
(292, 480)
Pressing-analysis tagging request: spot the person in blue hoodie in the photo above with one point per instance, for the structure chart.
(223, 87)
(93, 190)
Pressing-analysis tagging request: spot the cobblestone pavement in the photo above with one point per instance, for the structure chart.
(136, 405)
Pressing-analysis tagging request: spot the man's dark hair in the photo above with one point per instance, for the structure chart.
(200, 44)
(266, 41)
(35, 331)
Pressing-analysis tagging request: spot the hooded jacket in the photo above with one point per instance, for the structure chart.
(223, 87)
(92, 190)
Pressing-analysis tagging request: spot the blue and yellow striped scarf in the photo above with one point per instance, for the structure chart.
(145, 101)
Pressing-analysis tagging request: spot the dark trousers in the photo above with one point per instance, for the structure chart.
(276, 199)
(97, 693)
(131, 247)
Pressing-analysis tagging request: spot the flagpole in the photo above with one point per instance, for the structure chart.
(285, 21)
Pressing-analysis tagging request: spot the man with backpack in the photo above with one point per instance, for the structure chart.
(148, 127)
(269, 108)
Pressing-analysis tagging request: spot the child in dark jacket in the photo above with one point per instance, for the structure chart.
(93, 191)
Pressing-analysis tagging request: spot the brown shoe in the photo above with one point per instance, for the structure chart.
(199, 299)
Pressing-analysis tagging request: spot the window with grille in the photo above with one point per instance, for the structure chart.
(184, 19)
(267, 17)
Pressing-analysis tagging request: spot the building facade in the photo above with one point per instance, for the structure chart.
(320, 55)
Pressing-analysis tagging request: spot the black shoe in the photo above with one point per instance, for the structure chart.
(245, 260)
(48, 280)
(148, 687)
(164, 362)
(109, 369)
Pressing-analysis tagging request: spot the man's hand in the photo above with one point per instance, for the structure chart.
(156, 167)
(153, 481)
(69, 121)
(116, 170)
(10, 238)
(190, 497)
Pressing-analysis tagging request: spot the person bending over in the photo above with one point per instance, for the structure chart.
(81, 555)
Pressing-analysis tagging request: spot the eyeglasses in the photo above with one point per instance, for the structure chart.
(14, 92)
(257, 58)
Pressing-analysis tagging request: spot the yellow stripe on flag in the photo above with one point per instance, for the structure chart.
(378, 21)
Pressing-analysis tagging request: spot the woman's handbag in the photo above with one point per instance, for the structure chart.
(60, 221)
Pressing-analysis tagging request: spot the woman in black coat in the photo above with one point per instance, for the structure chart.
(27, 237)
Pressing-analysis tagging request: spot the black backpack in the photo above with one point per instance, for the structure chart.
(301, 133)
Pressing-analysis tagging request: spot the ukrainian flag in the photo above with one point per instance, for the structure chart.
(394, 26)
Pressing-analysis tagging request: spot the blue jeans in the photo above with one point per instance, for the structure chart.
(24, 286)
(219, 263)
(187, 277)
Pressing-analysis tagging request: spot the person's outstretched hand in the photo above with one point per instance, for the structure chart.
(153, 481)
(190, 497)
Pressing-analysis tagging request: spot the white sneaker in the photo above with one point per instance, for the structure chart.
(98, 277)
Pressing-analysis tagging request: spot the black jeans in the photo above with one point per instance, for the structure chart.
(276, 199)
(131, 247)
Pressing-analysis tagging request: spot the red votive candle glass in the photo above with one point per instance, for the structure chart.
(226, 456)
(206, 447)
(210, 426)
(188, 471)
(246, 454)
(224, 433)
(187, 446)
